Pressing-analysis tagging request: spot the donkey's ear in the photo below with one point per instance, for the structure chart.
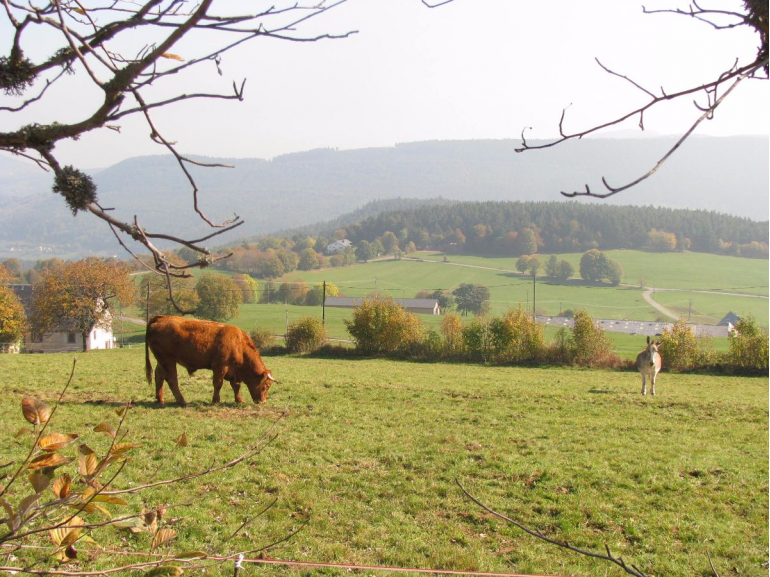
(648, 340)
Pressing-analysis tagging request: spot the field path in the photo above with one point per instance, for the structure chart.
(647, 294)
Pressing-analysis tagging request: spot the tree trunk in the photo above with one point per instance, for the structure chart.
(86, 341)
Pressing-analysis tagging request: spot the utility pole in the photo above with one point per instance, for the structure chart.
(534, 293)
(689, 311)
(323, 307)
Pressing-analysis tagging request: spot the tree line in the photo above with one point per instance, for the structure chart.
(519, 228)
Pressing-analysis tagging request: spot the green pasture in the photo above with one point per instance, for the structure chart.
(508, 289)
(369, 450)
(681, 270)
(709, 308)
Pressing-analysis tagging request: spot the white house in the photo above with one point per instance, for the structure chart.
(62, 340)
(338, 246)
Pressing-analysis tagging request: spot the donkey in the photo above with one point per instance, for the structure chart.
(648, 363)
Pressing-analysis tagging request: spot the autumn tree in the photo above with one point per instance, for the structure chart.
(528, 263)
(389, 242)
(308, 259)
(77, 296)
(661, 241)
(472, 298)
(588, 344)
(249, 288)
(596, 266)
(12, 317)
(219, 296)
(559, 269)
(316, 295)
(155, 292)
(365, 251)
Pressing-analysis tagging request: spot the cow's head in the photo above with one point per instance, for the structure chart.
(258, 384)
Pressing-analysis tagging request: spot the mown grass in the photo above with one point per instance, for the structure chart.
(711, 308)
(681, 270)
(370, 449)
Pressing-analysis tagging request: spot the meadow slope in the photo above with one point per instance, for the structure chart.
(369, 451)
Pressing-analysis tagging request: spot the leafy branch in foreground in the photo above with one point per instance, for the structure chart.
(62, 527)
(629, 569)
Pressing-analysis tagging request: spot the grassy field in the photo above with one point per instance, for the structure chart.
(508, 288)
(688, 270)
(370, 449)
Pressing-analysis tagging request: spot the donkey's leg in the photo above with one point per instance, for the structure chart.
(653, 378)
(644, 385)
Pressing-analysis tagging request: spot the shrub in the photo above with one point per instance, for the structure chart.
(588, 345)
(381, 326)
(516, 336)
(430, 346)
(476, 340)
(306, 335)
(452, 329)
(263, 338)
(748, 346)
(679, 348)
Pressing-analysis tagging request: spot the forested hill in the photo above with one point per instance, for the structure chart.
(526, 227)
(727, 175)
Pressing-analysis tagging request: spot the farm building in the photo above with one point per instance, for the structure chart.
(419, 306)
(644, 328)
(729, 320)
(338, 246)
(63, 340)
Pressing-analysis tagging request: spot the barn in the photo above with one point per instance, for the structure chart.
(419, 306)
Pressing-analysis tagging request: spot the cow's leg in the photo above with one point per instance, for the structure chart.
(159, 376)
(237, 391)
(173, 384)
(219, 378)
(644, 385)
(653, 378)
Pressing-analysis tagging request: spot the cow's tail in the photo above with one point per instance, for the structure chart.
(147, 365)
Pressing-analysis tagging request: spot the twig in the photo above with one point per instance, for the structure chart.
(40, 433)
(631, 570)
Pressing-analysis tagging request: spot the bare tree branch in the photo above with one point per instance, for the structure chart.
(754, 17)
(631, 570)
(89, 36)
(707, 114)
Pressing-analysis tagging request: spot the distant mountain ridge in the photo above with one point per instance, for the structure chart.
(727, 175)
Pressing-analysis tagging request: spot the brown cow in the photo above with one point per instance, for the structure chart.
(194, 344)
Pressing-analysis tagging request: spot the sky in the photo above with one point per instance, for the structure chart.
(472, 69)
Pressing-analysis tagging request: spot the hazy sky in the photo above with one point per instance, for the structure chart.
(472, 69)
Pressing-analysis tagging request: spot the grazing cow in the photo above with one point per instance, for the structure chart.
(224, 349)
(648, 363)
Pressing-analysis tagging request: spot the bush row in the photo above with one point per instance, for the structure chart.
(381, 327)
